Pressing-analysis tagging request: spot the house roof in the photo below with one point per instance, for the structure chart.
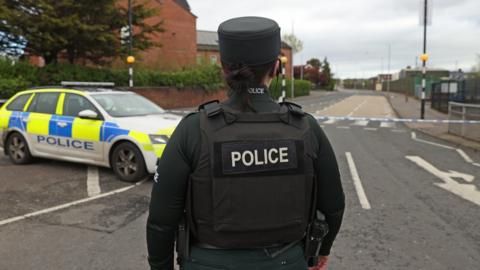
(208, 40)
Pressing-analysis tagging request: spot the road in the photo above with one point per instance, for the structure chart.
(413, 202)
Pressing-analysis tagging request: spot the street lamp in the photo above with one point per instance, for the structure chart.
(284, 61)
(130, 58)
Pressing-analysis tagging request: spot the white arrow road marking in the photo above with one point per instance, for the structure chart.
(357, 183)
(93, 181)
(468, 192)
(464, 155)
(459, 151)
(414, 137)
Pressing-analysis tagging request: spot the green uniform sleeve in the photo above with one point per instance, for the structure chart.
(330, 196)
(169, 191)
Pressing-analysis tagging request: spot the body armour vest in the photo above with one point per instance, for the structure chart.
(253, 184)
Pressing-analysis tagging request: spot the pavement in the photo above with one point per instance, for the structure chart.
(413, 201)
(410, 108)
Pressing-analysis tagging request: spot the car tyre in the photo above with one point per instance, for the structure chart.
(128, 162)
(17, 149)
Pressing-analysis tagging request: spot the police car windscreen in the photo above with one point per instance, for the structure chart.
(125, 105)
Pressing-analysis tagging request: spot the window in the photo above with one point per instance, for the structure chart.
(74, 104)
(44, 103)
(213, 59)
(199, 59)
(18, 103)
(126, 104)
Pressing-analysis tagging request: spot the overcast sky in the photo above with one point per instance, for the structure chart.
(354, 34)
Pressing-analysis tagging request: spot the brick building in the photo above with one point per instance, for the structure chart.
(182, 46)
(178, 43)
(208, 50)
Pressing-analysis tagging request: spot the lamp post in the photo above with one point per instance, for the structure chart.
(130, 58)
(284, 61)
(424, 57)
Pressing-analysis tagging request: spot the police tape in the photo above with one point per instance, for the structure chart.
(396, 120)
(378, 119)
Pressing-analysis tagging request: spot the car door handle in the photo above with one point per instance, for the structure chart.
(62, 124)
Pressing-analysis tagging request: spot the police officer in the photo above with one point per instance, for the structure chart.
(247, 175)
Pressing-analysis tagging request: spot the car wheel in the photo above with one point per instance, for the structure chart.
(17, 149)
(128, 163)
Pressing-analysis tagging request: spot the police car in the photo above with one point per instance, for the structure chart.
(88, 123)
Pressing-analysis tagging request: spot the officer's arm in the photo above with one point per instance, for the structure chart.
(330, 196)
(168, 198)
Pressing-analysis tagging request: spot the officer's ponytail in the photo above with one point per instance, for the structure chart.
(240, 77)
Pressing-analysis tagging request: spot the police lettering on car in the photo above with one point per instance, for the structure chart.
(248, 175)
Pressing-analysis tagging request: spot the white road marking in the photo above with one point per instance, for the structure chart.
(459, 151)
(322, 126)
(371, 129)
(343, 127)
(330, 121)
(70, 204)
(1, 149)
(387, 125)
(399, 130)
(357, 183)
(464, 155)
(414, 137)
(361, 123)
(93, 181)
(358, 107)
(468, 192)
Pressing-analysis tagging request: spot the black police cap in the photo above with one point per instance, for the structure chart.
(249, 40)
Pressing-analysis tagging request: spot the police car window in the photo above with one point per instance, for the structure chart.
(18, 103)
(74, 104)
(124, 105)
(44, 103)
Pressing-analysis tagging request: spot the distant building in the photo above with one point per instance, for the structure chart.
(415, 72)
(208, 51)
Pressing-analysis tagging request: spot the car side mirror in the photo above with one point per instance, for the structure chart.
(88, 114)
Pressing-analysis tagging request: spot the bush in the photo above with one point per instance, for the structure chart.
(8, 87)
(301, 88)
(21, 75)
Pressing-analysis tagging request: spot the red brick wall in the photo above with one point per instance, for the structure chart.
(170, 98)
(206, 55)
(179, 41)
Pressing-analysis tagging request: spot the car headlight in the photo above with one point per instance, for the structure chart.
(159, 139)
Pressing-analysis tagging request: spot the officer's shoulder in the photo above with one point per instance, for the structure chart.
(294, 108)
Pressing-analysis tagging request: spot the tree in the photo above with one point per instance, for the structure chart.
(87, 29)
(315, 62)
(327, 77)
(294, 42)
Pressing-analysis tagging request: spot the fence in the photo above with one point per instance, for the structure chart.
(464, 111)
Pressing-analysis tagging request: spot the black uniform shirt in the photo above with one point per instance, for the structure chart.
(179, 160)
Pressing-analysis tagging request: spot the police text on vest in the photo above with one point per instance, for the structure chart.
(267, 156)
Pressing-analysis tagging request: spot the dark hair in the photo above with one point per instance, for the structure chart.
(240, 77)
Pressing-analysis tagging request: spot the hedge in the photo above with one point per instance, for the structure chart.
(21, 75)
(302, 88)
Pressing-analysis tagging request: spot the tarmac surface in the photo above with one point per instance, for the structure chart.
(413, 201)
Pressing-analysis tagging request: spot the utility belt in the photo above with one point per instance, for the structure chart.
(312, 242)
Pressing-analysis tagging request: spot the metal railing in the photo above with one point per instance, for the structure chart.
(464, 112)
